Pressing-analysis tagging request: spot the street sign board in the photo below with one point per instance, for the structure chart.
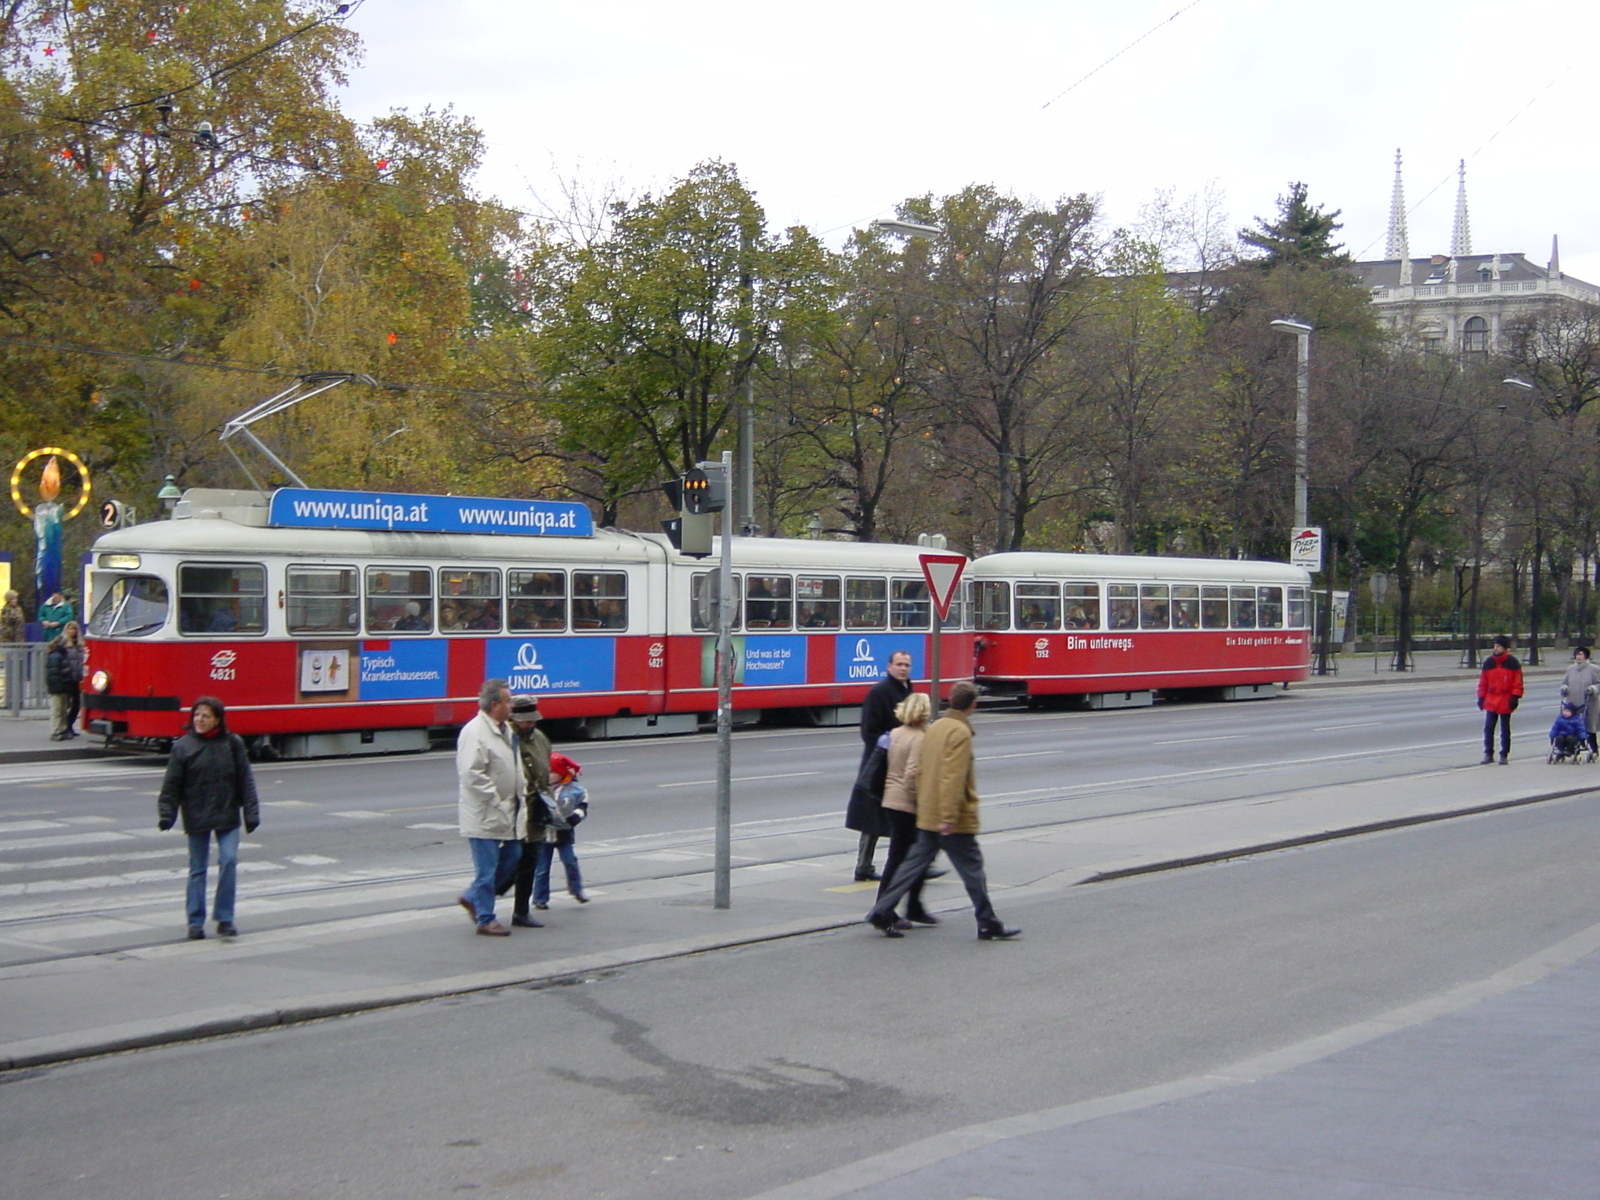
(1305, 548)
(943, 572)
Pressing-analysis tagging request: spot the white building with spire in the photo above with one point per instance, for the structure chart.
(1460, 300)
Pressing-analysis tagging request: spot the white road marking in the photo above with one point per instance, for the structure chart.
(310, 860)
(89, 820)
(740, 779)
(1224, 737)
(68, 839)
(359, 814)
(28, 826)
(431, 825)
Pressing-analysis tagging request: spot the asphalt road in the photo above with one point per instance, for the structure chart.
(83, 869)
(723, 1075)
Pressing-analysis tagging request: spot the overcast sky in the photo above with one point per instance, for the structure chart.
(835, 110)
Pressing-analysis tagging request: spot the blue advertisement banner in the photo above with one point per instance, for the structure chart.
(774, 661)
(307, 508)
(865, 659)
(553, 664)
(404, 670)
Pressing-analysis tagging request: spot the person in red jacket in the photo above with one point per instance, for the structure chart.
(1499, 691)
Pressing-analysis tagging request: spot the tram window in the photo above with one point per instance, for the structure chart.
(134, 605)
(599, 600)
(1122, 604)
(399, 600)
(538, 600)
(1082, 602)
(955, 617)
(704, 589)
(1038, 606)
(323, 600)
(1297, 608)
(1269, 607)
(469, 600)
(910, 606)
(991, 604)
(866, 603)
(1155, 607)
(1213, 607)
(817, 598)
(1244, 607)
(769, 602)
(222, 598)
(1185, 606)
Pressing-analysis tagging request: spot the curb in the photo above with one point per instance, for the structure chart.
(57, 1049)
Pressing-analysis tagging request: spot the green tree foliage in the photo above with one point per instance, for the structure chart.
(1301, 235)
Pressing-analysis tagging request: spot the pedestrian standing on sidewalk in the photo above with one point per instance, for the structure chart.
(568, 805)
(13, 621)
(877, 719)
(1581, 688)
(209, 782)
(54, 614)
(533, 748)
(489, 803)
(63, 678)
(1499, 693)
(947, 819)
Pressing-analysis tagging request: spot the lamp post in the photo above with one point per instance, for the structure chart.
(1534, 596)
(1302, 443)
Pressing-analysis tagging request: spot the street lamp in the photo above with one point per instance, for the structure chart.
(1534, 589)
(907, 228)
(1302, 412)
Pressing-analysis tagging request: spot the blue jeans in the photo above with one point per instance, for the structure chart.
(227, 875)
(493, 864)
(569, 860)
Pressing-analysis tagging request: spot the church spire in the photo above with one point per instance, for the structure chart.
(1555, 256)
(1461, 234)
(1398, 246)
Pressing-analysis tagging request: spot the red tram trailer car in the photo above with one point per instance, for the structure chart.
(323, 638)
(1118, 629)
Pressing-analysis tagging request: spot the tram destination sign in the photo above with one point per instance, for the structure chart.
(311, 508)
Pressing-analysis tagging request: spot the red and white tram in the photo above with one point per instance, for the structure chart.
(1119, 628)
(338, 640)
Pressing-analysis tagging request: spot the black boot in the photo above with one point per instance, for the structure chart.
(995, 931)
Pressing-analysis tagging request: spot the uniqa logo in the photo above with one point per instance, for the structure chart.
(863, 650)
(223, 658)
(528, 657)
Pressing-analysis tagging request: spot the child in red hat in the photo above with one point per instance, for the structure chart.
(568, 805)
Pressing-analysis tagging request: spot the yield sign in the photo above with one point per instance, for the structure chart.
(943, 572)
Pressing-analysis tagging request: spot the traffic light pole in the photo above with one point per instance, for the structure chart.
(726, 600)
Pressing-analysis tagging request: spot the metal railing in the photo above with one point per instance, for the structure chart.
(22, 677)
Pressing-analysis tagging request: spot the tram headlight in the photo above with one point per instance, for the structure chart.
(100, 681)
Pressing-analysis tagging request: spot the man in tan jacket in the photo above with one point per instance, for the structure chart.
(947, 819)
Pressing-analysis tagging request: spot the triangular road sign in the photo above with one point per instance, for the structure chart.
(943, 572)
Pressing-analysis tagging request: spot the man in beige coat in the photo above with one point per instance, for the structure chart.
(947, 819)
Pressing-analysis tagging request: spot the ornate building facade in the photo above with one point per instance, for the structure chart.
(1460, 300)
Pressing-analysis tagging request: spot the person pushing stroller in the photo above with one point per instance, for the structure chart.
(1568, 735)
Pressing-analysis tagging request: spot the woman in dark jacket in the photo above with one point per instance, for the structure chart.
(209, 781)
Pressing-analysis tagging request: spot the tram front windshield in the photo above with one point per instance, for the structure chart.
(131, 606)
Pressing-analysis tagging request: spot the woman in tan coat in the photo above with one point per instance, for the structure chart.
(900, 801)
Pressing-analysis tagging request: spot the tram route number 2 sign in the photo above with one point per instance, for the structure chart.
(1305, 548)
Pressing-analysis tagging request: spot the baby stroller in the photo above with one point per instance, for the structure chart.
(1580, 705)
(1569, 736)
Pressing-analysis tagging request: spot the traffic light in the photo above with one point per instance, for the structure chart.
(705, 489)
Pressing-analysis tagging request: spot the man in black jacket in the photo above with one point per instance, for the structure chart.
(877, 719)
